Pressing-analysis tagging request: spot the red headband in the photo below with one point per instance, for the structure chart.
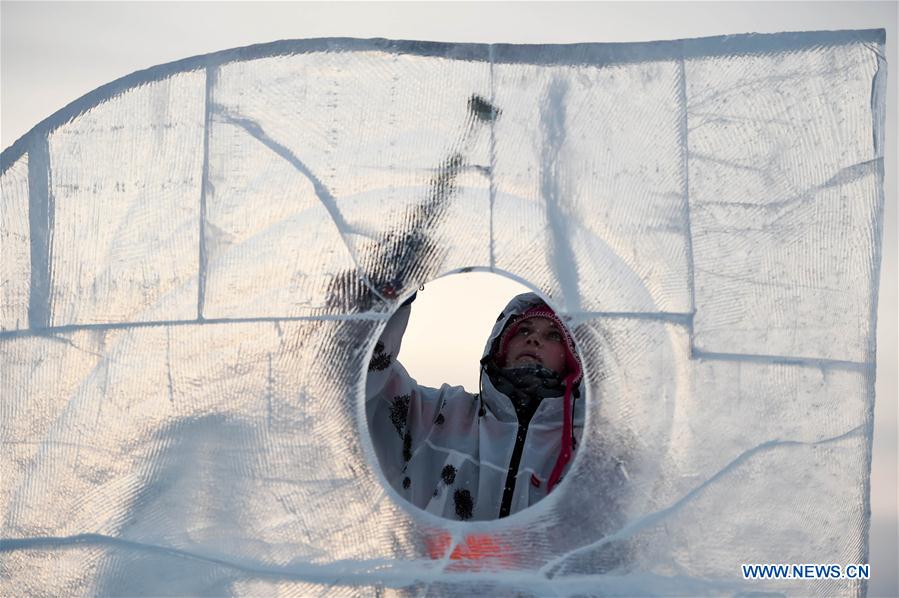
(572, 363)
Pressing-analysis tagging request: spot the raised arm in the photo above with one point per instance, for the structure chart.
(400, 412)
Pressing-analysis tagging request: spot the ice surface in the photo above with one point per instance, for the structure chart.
(198, 258)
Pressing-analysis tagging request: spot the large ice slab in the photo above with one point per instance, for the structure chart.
(198, 258)
(785, 179)
(124, 184)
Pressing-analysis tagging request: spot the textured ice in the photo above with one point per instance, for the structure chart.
(198, 258)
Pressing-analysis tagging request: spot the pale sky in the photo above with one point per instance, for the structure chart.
(53, 53)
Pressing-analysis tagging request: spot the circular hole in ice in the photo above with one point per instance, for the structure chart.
(426, 452)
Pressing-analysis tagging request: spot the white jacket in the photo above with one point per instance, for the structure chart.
(448, 451)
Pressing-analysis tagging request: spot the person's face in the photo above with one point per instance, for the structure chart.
(537, 340)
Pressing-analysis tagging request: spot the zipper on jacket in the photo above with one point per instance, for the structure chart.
(512, 476)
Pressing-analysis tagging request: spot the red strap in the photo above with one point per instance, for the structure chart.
(567, 434)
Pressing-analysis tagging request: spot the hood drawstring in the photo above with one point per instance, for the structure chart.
(567, 436)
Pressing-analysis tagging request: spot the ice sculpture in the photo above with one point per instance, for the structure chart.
(198, 258)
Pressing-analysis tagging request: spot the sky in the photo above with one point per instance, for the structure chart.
(53, 53)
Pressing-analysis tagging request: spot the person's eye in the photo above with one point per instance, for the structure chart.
(555, 336)
(524, 331)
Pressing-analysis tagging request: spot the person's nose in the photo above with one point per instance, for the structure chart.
(532, 340)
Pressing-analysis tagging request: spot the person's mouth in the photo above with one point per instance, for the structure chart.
(529, 357)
